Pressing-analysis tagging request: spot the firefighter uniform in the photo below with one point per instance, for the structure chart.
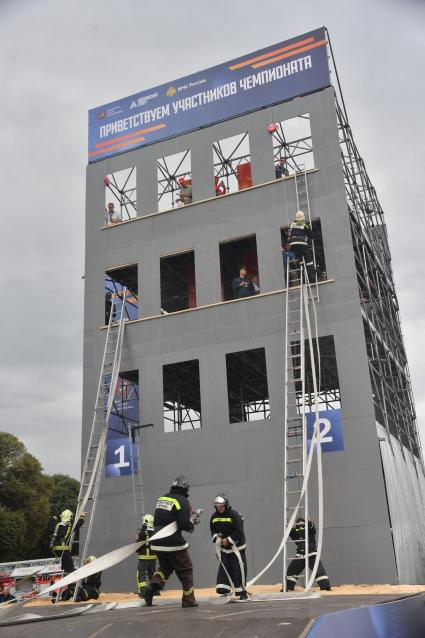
(229, 525)
(297, 565)
(172, 551)
(147, 560)
(60, 543)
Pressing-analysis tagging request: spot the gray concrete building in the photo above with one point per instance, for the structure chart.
(207, 370)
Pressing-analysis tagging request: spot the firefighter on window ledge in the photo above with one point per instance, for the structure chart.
(297, 565)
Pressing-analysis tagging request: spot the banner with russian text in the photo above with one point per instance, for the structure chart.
(256, 80)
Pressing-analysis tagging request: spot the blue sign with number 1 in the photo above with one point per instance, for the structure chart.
(330, 424)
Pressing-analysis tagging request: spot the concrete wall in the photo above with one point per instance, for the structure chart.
(242, 459)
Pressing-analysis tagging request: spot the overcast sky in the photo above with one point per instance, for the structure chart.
(60, 58)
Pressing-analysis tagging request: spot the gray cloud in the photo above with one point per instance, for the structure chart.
(60, 59)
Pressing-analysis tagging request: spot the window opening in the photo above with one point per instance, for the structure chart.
(319, 253)
(247, 388)
(120, 196)
(232, 164)
(174, 180)
(178, 289)
(115, 282)
(329, 395)
(293, 146)
(235, 255)
(182, 396)
(124, 415)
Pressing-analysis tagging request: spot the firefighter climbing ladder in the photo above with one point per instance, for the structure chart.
(295, 479)
(95, 457)
(303, 203)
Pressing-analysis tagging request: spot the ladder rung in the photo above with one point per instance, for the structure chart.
(294, 447)
(294, 380)
(299, 507)
(294, 492)
(294, 460)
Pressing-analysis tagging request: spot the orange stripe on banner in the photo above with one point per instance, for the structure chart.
(270, 53)
(288, 55)
(128, 135)
(112, 148)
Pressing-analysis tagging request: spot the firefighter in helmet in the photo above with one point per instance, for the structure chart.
(297, 565)
(147, 559)
(172, 551)
(89, 588)
(61, 539)
(227, 531)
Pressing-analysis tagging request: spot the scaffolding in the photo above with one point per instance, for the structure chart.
(388, 367)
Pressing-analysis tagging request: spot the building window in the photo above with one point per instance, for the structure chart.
(247, 388)
(174, 180)
(118, 281)
(232, 164)
(182, 396)
(178, 290)
(293, 146)
(120, 196)
(121, 453)
(239, 268)
(329, 395)
(317, 252)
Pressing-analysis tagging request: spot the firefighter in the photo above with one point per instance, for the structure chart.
(297, 565)
(172, 550)
(227, 531)
(89, 588)
(299, 235)
(60, 543)
(147, 559)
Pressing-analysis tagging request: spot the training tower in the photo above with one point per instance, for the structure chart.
(202, 181)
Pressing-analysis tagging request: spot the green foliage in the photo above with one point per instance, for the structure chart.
(28, 500)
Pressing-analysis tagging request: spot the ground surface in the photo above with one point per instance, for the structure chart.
(341, 590)
(268, 619)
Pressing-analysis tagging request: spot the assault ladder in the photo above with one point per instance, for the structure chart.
(95, 457)
(299, 306)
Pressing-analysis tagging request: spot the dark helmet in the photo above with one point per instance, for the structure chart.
(221, 499)
(182, 482)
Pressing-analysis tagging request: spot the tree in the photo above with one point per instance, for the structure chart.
(64, 496)
(24, 500)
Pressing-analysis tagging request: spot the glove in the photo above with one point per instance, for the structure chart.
(195, 516)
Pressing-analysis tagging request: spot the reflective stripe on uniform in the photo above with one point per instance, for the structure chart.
(221, 520)
(222, 586)
(169, 499)
(188, 592)
(162, 548)
(231, 551)
(161, 575)
(150, 557)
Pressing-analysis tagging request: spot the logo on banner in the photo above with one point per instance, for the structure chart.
(101, 115)
(171, 91)
(330, 424)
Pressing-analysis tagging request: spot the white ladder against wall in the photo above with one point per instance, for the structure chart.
(94, 462)
(299, 328)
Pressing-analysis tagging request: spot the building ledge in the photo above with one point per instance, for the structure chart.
(215, 305)
(203, 201)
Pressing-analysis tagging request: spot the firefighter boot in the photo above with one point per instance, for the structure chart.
(150, 592)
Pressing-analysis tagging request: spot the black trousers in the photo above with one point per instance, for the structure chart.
(231, 563)
(67, 564)
(145, 571)
(296, 567)
(179, 562)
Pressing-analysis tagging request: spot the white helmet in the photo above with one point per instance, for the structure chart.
(148, 520)
(221, 499)
(300, 217)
